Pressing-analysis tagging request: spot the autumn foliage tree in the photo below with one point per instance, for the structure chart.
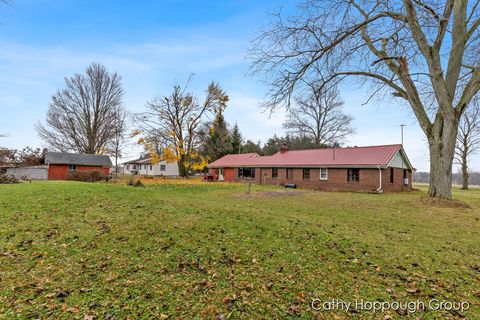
(425, 53)
(170, 128)
(27, 156)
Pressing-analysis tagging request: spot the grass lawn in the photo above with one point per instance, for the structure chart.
(207, 250)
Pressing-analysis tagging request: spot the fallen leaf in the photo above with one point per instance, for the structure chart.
(73, 310)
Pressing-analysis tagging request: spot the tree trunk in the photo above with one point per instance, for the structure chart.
(181, 167)
(116, 163)
(464, 173)
(441, 142)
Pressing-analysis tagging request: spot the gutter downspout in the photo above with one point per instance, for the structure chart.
(380, 189)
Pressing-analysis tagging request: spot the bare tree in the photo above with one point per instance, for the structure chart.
(80, 116)
(171, 125)
(119, 138)
(7, 156)
(400, 47)
(319, 117)
(468, 139)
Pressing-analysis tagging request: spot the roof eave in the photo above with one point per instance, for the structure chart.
(374, 166)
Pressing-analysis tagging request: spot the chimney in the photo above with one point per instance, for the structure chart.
(283, 148)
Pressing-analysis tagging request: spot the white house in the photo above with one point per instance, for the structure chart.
(144, 167)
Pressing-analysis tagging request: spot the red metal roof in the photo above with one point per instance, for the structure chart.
(234, 160)
(371, 156)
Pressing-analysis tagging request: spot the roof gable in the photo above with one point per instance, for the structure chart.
(400, 160)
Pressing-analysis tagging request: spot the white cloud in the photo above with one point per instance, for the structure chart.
(31, 74)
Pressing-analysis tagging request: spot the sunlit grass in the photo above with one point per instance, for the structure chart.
(187, 248)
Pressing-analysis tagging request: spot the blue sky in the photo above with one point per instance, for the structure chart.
(153, 45)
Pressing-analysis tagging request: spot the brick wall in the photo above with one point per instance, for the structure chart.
(397, 184)
(337, 179)
(60, 171)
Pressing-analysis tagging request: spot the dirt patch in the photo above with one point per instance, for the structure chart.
(444, 203)
(268, 194)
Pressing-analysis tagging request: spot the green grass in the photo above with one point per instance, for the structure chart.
(210, 251)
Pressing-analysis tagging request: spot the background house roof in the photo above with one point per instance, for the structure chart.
(234, 160)
(142, 160)
(77, 159)
(371, 156)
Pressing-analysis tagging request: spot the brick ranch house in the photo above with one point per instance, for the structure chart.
(61, 163)
(373, 168)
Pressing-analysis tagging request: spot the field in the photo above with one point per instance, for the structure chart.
(192, 250)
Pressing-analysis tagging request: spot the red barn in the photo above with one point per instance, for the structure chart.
(61, 163)
(372, 168)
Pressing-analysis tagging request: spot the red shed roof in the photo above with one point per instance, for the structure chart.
(371, 156)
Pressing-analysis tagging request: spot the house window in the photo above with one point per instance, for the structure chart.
(163, 167)
(391, 175)
(128, 167)
(72, 167)
(353, 175)
(151, 167)
(289, 173)
(323, 174)
(134, 167)
(274, 172)
(246, 173)
(306, 174)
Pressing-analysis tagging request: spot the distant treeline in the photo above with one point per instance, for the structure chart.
(473, 179)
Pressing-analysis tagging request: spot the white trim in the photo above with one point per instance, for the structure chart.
(326, 171)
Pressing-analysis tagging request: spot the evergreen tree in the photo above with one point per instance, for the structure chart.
(251, 147)
(235, 139)
(273, 145)
(218, 142)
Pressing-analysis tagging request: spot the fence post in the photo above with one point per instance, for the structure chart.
(249, 186)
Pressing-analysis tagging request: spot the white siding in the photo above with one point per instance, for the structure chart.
(398, 161)
(170, 169)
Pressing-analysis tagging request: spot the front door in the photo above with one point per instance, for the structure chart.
(220, 174)
(263, 175)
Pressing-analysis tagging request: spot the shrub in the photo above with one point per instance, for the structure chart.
(8, 179)
(138, 183)
(86, 176)
(130, 182)
(135, 182)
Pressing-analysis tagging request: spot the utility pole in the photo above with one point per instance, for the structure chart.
(403, 177)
